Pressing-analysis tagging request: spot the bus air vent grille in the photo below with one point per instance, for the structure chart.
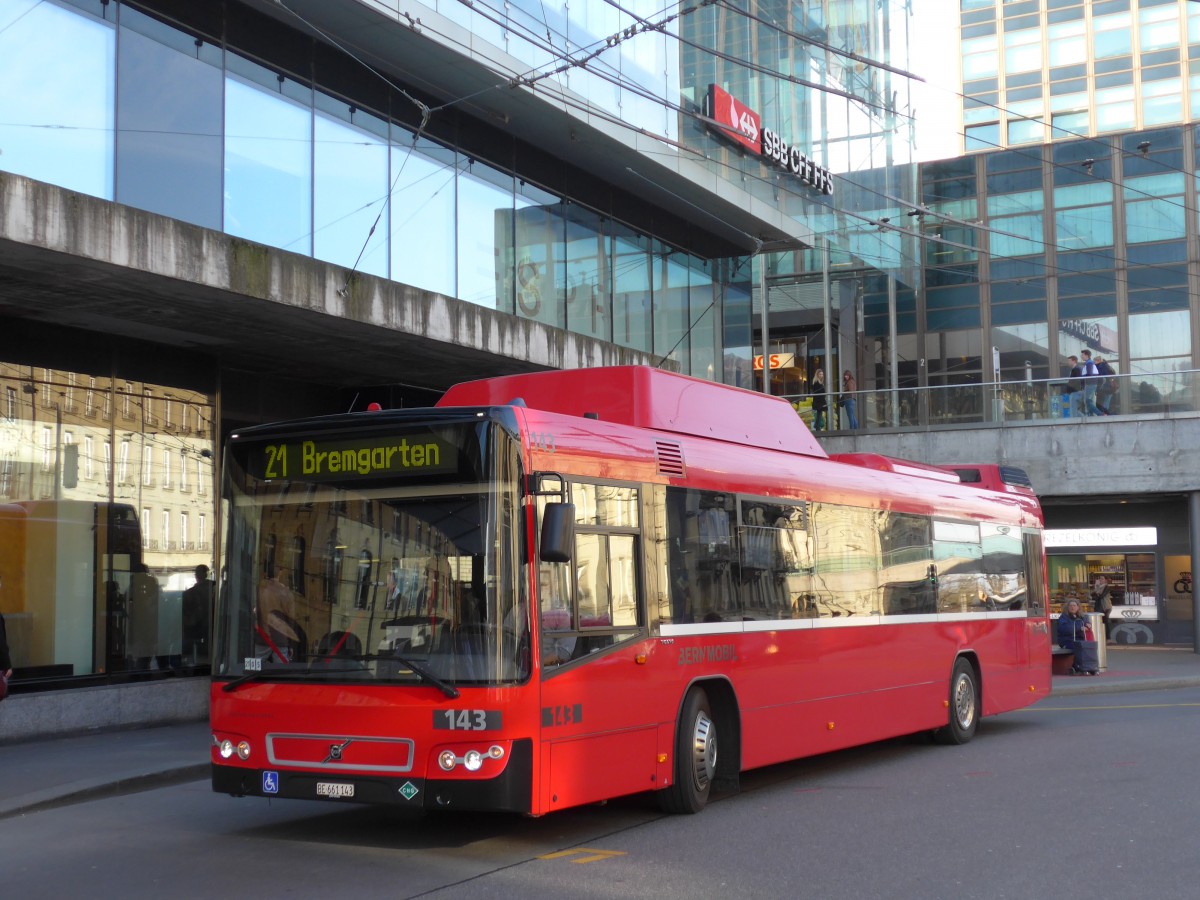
(670, 458)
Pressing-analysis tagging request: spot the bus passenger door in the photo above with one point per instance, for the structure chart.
(597, 740)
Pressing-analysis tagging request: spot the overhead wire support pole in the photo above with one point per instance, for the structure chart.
(766, 336)
(826, 323)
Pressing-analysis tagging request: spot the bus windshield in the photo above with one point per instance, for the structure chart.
(388, 554)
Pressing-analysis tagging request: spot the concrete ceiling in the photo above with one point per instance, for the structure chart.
(252, 335)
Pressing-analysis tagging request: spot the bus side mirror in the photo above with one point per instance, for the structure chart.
(558, 532)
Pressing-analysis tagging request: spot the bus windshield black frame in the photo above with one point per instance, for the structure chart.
(384, 548)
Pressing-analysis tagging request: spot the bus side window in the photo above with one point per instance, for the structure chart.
(555, 614)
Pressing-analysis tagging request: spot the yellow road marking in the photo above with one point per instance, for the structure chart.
(1119, 706)
(595, 855)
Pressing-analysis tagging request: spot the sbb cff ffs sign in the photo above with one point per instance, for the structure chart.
(776, 361)
(745, 123)
(738, 122)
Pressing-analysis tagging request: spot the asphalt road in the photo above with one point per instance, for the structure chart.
(1079, 797)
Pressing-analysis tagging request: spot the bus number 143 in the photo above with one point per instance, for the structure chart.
(466, 720)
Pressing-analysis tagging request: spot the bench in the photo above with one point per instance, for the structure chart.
(1061, 660)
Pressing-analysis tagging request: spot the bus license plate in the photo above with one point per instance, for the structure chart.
(329, 789)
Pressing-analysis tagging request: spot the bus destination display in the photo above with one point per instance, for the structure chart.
(395, 456)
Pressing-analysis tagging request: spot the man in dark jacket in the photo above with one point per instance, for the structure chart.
(1074, 387)
(1108, 385)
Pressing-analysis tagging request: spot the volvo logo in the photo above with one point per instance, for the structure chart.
(336, 750)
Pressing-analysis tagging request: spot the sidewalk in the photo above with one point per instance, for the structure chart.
(1138, 667)
(42, 774)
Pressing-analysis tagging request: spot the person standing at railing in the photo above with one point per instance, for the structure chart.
(1091, 381)
(1074, 389)
(820, 402)
(848, 401)
(1108, 385)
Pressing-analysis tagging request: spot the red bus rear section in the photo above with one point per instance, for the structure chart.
(559, 588)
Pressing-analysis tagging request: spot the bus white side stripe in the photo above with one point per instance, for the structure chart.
(758, 625)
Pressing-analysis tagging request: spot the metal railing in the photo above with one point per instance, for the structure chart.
(995, 404)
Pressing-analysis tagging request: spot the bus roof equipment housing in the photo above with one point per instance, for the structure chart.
(650, 398)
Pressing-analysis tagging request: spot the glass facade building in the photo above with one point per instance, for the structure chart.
(569, 171)
(1053, 70)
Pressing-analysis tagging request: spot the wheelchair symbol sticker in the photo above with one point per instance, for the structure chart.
(270, 782)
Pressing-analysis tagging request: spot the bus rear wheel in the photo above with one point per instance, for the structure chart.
(695, 757)
(964, 706)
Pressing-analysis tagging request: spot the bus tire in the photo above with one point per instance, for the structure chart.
(695, 756)
(964, 706)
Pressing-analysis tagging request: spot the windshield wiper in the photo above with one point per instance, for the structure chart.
(444, 686)
(254, 676)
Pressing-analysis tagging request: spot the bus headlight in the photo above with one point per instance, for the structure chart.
(473, 760)
(447, 759)
(243, 750)
(226, 749)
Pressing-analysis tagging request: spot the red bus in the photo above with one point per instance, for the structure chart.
(558, 588)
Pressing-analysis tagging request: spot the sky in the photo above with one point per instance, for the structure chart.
(934, 36)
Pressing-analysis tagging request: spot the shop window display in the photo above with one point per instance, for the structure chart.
(1132, 587)
(86, 591)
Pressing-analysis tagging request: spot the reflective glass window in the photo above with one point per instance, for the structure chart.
(1160, 351)
(1090, 226)
(169, 112)
(57, 127)
(268, 159)
(1016, 235)
(1158, 335)
(1022, 50)
(1068, 124)
(1158, 27)
(846, 560)
(484, 223)
(1081, 221)
(122, 607)
(704, 315)
(1067, 43)
(1115, 108)
(671, 308)
(422, 214)
(588, 284)
(980, 58)
(350, 190)
(1112, 35)
(537, 269)
(1154, 207)
(1161, 101)
(632, 311)
(1025, 131)
(1022, 343)
(983, 137)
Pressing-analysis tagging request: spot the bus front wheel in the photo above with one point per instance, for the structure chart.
(695, 757)
(964, 706)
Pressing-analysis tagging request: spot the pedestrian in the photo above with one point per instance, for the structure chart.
(847, 400)
(1102, 602)
(820, 401)
(1108, 385)
(1074, 389)
(1072, 626)
(197, 613)
(1091, 381)
(5, 659)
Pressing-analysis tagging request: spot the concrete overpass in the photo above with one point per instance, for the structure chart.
(1070, 459)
